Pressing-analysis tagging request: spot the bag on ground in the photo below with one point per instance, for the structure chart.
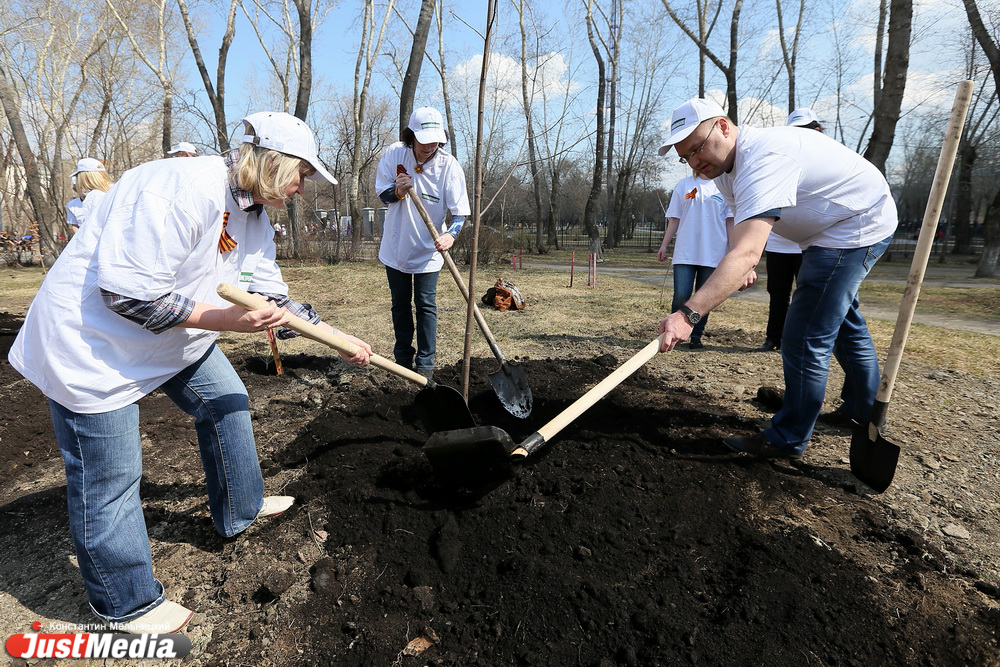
(504, 296)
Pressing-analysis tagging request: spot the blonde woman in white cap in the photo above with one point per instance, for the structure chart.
(411, 257)
(129, 307)
(183, 149)
(90, 182)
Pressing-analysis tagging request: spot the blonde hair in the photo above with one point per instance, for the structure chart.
(92, 180)
(267, 173)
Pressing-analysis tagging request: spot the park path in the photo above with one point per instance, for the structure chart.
(937, 276)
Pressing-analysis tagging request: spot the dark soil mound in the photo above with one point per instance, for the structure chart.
(632, 539)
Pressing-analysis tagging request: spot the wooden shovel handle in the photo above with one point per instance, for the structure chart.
(309, 330)
(480, 320)
(925, 240)
(580, 405)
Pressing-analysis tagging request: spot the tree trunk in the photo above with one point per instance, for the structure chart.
(417, 50)
(217, 93)
(45, 213)
(962, 223)
(552, 226)
(590, 210)
(987, 267)
(304, 8)
(897, 60)
(526, 101)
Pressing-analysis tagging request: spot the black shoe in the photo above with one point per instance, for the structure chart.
(757, 445)
(769, 345)
(696, 344)
(837, 418)
(426, 372)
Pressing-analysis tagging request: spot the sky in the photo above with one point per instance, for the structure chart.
(934, 59)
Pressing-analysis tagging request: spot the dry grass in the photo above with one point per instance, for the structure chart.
(619, 316)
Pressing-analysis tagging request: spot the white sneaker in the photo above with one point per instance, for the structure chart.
(275, 505)
(165, 618)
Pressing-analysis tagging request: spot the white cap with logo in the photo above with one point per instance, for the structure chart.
(88, 164)
(802, 116)
(183, 147)
(287, 134)
(428, 126)
(687, 117)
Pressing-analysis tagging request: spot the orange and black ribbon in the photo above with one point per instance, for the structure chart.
(692, 194)
(226, 242)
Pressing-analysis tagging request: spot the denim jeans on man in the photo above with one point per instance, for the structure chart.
(103, 456)
(687, 279)
(421, 289)
(823, 319)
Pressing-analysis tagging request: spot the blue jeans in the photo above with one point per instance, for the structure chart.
(688, 278)
(421, 289)
(103, 456)
(824, 318)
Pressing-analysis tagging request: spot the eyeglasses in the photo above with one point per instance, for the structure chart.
(684, 158)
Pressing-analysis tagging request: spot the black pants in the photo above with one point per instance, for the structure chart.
(782, 268)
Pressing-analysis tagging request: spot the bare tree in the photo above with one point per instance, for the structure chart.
(991, 227)
(527, 97)
(701, 40)
(217, 92)
(417, 52)
(789, 54)
(153, 28)
(889, 88)
(590, 212)
(372, 32)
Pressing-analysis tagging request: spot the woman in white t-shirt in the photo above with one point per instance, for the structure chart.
(129, 307)
(701, 221)
(90, 182)
(412, 258)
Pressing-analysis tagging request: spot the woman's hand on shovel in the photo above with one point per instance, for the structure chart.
(677, 329)
(361, 358)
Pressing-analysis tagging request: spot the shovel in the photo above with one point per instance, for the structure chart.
(509, 382)
(473, 456)
(873, 458)
(442, 407)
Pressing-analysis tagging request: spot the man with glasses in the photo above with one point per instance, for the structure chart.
(837, 206)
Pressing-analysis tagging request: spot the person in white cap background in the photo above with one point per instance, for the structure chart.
(411, 257)
(837, 206)
(183, 149)
(130, 307)
(783, 258)
(701, 221)
(90, 182)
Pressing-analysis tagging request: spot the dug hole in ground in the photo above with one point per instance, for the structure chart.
(634, 538)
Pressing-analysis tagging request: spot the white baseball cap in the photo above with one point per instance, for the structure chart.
(688, 116)
(428, 126)
(285, 133)
(801, 117)
(183, 147)
(88, 164)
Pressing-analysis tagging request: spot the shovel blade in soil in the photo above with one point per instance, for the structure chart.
(873, 458)
(511, 387)
(470, 457)
(442, 408)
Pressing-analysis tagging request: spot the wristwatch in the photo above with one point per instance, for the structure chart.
(693, 316)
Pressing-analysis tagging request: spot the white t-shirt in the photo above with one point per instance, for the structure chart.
(74, 208)
(155, 232)
(829, 195)
(90, 203)
(407, 245)
(702, 239)
(778, 243)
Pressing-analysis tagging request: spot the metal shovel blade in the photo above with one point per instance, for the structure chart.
(441, 408)
(873, 458)
(511, 387)
(470, 457)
